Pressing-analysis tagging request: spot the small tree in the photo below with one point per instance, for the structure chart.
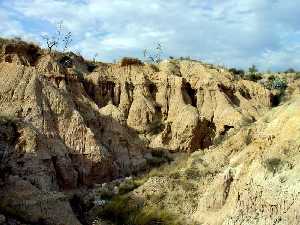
(156, 56)
(253, 69)
(253, 74)
(238, 73)
(59, 37)
(290, 70)
(95, 57)
(159, 50)
(50, 41)
(67, 41)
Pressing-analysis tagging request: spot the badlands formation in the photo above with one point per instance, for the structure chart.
(69, 127)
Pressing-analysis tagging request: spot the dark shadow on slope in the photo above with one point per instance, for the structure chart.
(191, 93)
(103, 93)
(230, 93)
(27, 53)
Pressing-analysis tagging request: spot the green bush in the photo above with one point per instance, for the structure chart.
(279, 83)
(117, 209)
(153, 216)
(128, 185)
(175, 175)
(237, 72)
(271, 77)
(276, 83)
(187, 186)
(123, 210)
(106, 194)
(79, 74)
(254, 77)
(193, 173)
(158, 158)
(156, 161)
(253, 69)
(253, 74)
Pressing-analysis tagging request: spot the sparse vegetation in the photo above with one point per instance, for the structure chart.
(167, 169)
(124, 210)
(253, 74)
(184, 58)
(253, 69)
(277, 83)
(66, 61)
(254, 77)
(238, 73)
(156, 127)
(95, 57)
(193, 173)
(153, 56)
(158, 158)
(290, 70)
(67, 40)
(79, 74)
(128, 61)
(128, 185)
(272, 164)
(60, 37)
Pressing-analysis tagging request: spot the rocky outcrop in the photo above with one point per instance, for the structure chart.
(152, 99)
(24, 200)
(76, 123)
(250, 178)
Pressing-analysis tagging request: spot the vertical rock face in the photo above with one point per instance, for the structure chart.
(76, 124)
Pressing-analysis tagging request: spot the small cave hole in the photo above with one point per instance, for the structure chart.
(153, 90)
(8, 59)
(192, 93)
(66, 62)
(275, 100)
(158, 109)
(226, 129)
(91, 67)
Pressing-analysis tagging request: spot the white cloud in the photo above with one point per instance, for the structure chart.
(281, 59)
(234, 33)
(9, 28)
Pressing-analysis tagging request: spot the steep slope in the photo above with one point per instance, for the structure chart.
(68, 123)
(251, 178)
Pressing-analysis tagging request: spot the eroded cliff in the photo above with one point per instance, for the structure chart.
(68, 123)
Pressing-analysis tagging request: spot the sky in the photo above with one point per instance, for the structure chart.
(232, 33)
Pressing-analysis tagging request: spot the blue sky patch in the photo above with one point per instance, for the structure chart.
(228, 32)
